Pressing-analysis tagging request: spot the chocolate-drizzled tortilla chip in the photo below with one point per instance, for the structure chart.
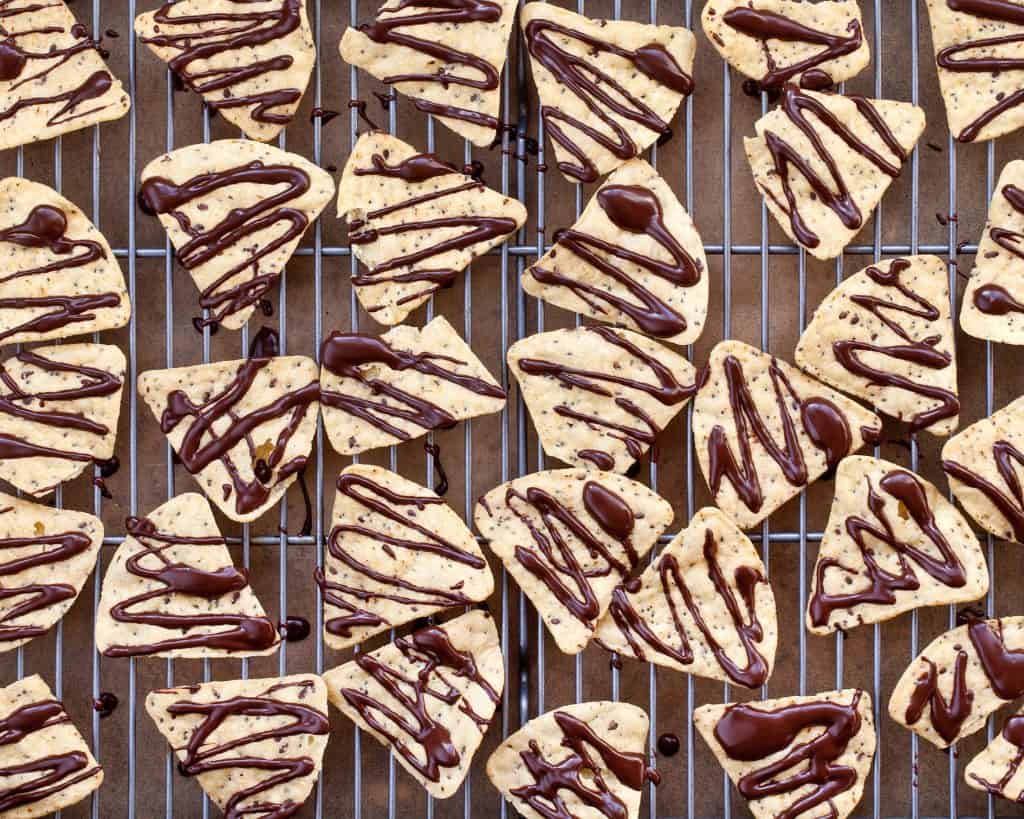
(893, 543)
(382, 390)
(634, 258)
(824, 161)
(774, 42)
(256, 746)
(172, 590)
(979, 54)
(589, 758)
(53, 78)
(993, 302)
(388, 693)
(242, 429)
(46, 556)
(765, 430)
(607, 89)
(250, 61)
(794, 756)
(446, 58)
(962, 676)
(415, 222)
(58, 413)
(885, 335)
(45, 763)
(396, 552)
(704, 606)
(235, 211)
(598, 396)
(59, 277)
(569, 537)
(984, 465)
(997, 769)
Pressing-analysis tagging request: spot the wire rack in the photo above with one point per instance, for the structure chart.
(763, 289)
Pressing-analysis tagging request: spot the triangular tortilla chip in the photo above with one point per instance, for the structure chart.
(251, 62)
(704, 606)
(428, 696)
(274, 729)
(985, 467)
(950, 688)
(764, 431)
(794, 756)
(58, 413)
(235, 211)
(576, 758)
(820, 188)
(396, 552)
(446, 59)
(996, 769)
(242, 429)
(45, 764)
(415, 222)
(993, 305)
(46, 556)
(54, 79)
(569, 537)
(633, 258)
(172, 590)
(774, 42)
(607, 89)
(979, 55)
(598, 396)
(382, 390)
(59, 276)
(893, 543)
(886, 335)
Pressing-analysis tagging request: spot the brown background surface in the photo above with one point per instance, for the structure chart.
(761, 298)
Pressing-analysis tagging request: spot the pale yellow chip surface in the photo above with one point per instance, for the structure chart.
(756, 471)
(893, 543)
(396, 552)
(885, 335)
(646, 273)
(997, 768)
(383, 692)
(568, 537)
(691, 608)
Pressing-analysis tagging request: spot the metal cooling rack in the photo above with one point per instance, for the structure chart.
(356, 781)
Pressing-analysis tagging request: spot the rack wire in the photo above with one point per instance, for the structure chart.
(763, 289)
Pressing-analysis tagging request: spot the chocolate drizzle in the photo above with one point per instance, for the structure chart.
(996, 11)
(227, 47)
(36, 779)
(750, 734)
(243, 633)
(1009, 501)
(787, 157)
(357, 356)
(993, 299)
(289, 719)
(920, 352)
(1013, 732)
(638, 632)
(161, 196)
(554, 559)
(482, 76)
(580, 774)
(822, 421)
(768, 25)
(197, 455)
(432, 650)
(666, 390)
(909, 494)
(414, 170)
(634, 210)
(397, 510)
(599, 92)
